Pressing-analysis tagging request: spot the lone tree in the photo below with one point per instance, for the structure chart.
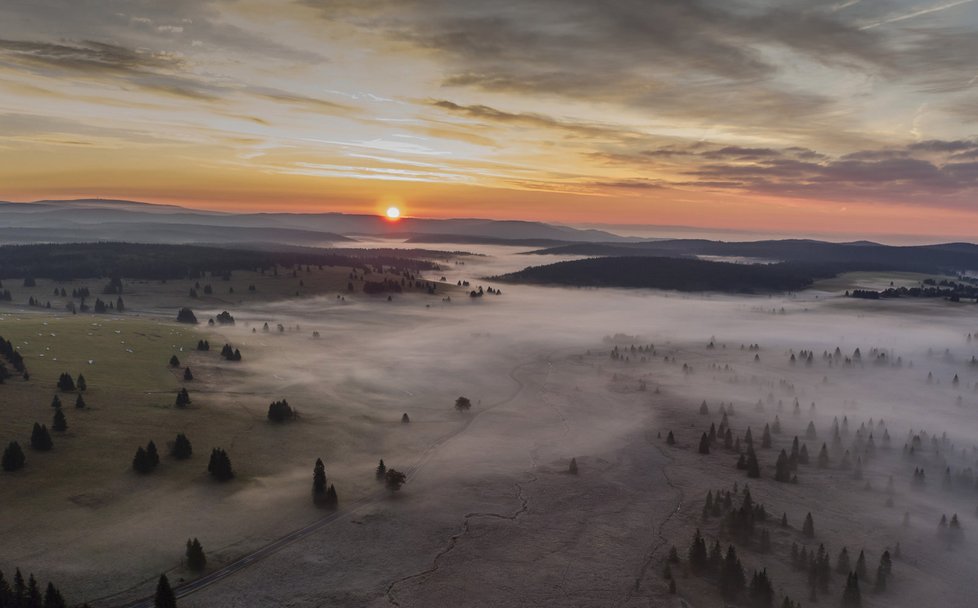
(186, 316)
(41, 438)
(13, 457)
(572, 467)
(174, 362)
(808, 528)
(319, 482)
(220, 465)
(394, 479)
(463, 404)
(181, 449)
(196, 560)
(164, 597)
(405, 419)
(381, 471)
(280, 411)
(59, 423)
(183, 398)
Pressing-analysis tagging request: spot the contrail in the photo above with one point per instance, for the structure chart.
(917, 13)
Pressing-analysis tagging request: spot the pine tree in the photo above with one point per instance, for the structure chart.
(704, 444)
(850, 596)
(181, 449)
(861, 565)
(13, 457)
(766, 437)
(34, 599)
(380, 473)
(332, 500)
(319, 482)
(59, 423)
(761, 592)
(183, 398)
(164, 597)
(823, 457)
(196, 560)
(782, 472)
(753, 467)
(808, 528)
(572, 467)
(670, 439)
(56, 402)
(698, 557)
(732, 578)
(6, 593)
(842, 565)
(220, 465)
(53, 598)
(80, 402)
(81, 383)
(187, 374)
(405, 419)
(41, 438)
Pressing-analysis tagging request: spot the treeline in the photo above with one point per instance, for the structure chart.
(950, 290)
(69, 261)
(680, 274)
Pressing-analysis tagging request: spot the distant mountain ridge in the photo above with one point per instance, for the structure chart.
(95, 219)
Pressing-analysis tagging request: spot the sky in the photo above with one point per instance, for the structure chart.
(853, 117)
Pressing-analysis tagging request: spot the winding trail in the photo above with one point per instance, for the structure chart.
(243, 562)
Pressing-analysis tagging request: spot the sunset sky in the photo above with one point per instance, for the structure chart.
(799, 116)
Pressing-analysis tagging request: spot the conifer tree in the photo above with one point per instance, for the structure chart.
(851, 597)
(698, 556)
(861, 565)
(196, 560)
(174, 361)
(405, 419)
(670, 439)
(753, 467)
(220, 465)
(183, 398)
(842, 565)
(823, 457)
(808, 528)
(761, 592)
(572, 467)
(704, 444)
(766, 437)
(41, 438)
(381, 471)
(181, 449)
(13, 457)
(53, 598)
(80, 402)
(164, 598)
(33, 599)
(319, 482)
(732, 578)
(187, 374)
(59, 424)
(81, 383)
(56, 402)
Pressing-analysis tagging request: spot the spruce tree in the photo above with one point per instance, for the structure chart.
(861, 565)
(704, 444)
(319, 482)
(53, 598)
(572, 467)
(81, 384)
(380, 473)
(34, 599)
(13, 457)
(808, 528)
(851, 597)
(761, 592)
(56, 402)
(181, 449)
(753, 467)
(670, 439)
(20, 589)
(187, 374)
(842, 565)
(164, 598)
(183, 398)
(196, 560)
(41, 438)
(220, 465)
(732, 578)
(6, 593)
(80, 402)
(174, 362)
(698, 556)
(59, 423)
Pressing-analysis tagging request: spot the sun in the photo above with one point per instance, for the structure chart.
(393, 213)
